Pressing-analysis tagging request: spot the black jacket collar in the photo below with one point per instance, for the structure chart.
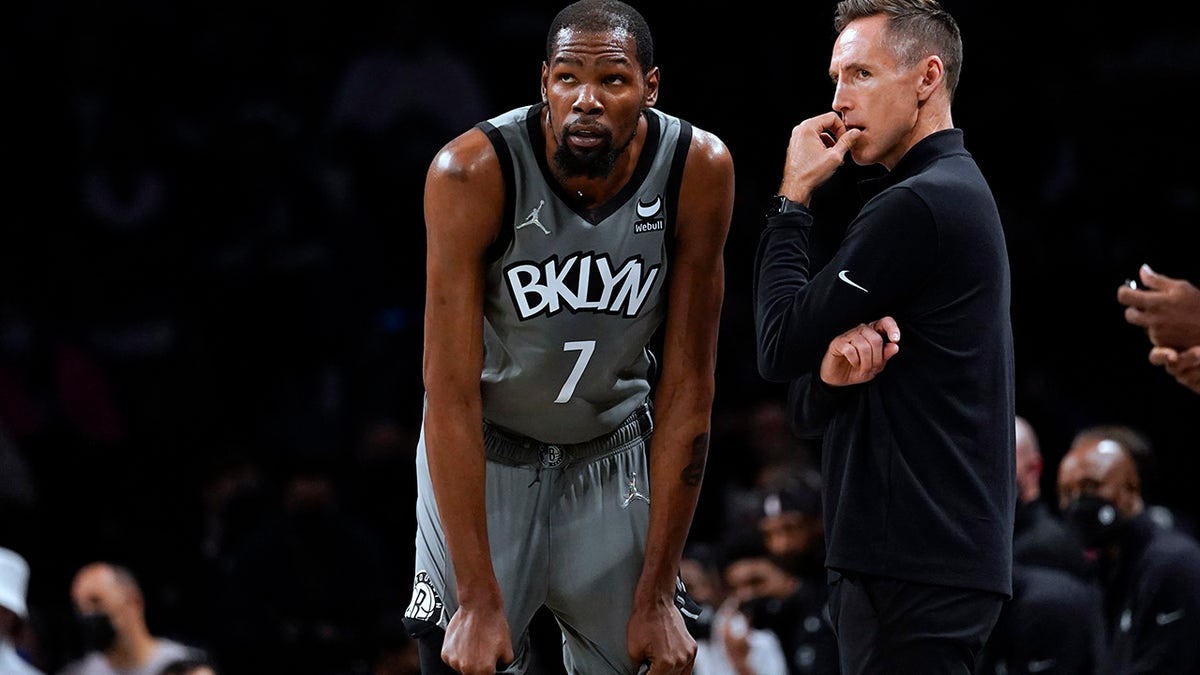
(935, 145)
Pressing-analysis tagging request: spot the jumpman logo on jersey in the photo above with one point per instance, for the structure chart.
(532, 218)
(632, 492)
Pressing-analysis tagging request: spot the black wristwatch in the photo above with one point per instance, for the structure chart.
(780, 204)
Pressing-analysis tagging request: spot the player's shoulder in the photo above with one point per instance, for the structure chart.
(708, 146)
(704, 144)
(709, 164)
(466, 156)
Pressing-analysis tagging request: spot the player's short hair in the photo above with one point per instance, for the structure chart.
(601, 16)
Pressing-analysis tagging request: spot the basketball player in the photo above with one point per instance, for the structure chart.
(558, 235)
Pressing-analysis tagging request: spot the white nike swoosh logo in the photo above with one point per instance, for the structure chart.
(647, 210)
(1039, 666)
(1164, 618)
(843, 277)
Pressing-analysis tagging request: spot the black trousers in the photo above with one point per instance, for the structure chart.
(888, 626)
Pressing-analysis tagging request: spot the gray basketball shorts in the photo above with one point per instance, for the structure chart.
(567, 528)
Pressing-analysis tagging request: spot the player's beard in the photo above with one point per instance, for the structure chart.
(597, 162)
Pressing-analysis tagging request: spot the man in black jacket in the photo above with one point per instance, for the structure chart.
(1149, 573)
(918, 457)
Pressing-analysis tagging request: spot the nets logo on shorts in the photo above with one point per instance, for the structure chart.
(550, 456)
(426, 604)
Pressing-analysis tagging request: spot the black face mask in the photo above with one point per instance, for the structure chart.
(97, 632)
(1095, 519)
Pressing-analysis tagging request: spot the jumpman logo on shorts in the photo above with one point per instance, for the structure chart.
(532, 218)
(632, 493)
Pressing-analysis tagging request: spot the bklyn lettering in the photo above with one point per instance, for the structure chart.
(580, 282)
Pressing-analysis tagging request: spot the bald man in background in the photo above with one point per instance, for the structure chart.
(1040, 536)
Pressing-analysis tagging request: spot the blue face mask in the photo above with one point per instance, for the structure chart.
(96, 631)
(1095, 519)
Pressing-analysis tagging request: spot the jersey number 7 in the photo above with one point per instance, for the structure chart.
(585, 349)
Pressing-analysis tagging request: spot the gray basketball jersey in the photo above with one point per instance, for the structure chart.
(574, 296)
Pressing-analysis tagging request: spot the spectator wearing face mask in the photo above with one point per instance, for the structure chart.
(112, 620)
(1149, 574)
(726, 642)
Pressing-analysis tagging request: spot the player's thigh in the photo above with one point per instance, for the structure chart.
(599, 541)
(517, 533)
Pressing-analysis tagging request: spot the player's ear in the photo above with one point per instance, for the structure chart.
(651, 88)
(545, 75)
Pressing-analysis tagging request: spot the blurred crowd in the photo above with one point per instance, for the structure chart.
(212, 263)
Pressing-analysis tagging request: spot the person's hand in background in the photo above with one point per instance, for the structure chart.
(1168, 308)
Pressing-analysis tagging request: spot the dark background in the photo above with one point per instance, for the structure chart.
(211, 260)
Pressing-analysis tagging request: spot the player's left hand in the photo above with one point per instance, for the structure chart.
(657, 635)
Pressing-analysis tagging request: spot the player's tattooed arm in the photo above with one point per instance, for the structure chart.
(694, 471)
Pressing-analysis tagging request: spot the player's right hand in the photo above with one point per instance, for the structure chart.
(478, 641)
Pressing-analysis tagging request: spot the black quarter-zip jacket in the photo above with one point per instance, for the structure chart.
(918, 463)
